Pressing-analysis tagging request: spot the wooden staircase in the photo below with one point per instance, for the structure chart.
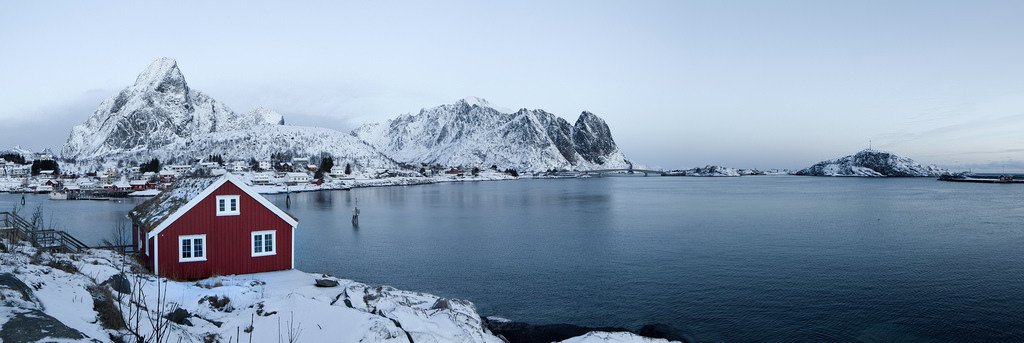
(16, 228)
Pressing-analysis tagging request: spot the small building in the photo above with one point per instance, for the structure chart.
(18, 170)
(179, 169)
(121, 186)
(265, 165)
(261, 179)
(139, 185)
(205, 226)
(297, 178)
(239, 166)
(209, 165)
(168, 175)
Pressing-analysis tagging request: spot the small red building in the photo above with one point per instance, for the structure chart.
(205, 226)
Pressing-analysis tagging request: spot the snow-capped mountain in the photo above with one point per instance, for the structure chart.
(471, 132)
(871, 163)
(157, 110)
(161, 116)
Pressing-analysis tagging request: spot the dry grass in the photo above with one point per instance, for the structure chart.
(103, 304)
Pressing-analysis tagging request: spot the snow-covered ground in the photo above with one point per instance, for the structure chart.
(51, 297)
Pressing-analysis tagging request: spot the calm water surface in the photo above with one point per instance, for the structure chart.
(730, 259)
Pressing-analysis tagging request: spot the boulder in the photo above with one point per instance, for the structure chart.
(326, 283)
(441, 304)
(179, 316)
(35, 326)
(662, 331)
(119, 283)
(9, 281)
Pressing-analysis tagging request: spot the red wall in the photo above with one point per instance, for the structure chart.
(228, 239)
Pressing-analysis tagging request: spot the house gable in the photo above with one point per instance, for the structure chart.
(228, 240)
(227, 178)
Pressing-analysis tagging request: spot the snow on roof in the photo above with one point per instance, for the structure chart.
(151, 213)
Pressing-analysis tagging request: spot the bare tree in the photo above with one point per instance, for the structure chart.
(135, 313)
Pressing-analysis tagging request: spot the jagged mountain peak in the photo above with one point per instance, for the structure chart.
(163, 71)
(472, 100)
(471, 132)
(158, 109)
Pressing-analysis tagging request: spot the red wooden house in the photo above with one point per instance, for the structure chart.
(207, 226)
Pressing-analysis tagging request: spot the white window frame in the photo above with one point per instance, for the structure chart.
(252, 243)
(192, 238)
(228, 199)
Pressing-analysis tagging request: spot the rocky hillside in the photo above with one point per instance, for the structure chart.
(472, 132)
(871, 163)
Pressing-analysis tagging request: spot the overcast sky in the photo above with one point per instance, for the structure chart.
(736, 83)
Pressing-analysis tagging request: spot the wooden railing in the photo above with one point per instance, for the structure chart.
(15, 227)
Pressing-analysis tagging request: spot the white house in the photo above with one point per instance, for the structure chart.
(239, 166)
(298, 178)
(266, 165)
(261, 179)
(179, 168)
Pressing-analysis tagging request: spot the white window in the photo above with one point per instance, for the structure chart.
(264, 243)
(191, 248)
(227, 205)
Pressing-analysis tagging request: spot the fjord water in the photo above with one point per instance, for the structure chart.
(720, 259)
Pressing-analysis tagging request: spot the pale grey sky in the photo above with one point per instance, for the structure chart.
(681, 83)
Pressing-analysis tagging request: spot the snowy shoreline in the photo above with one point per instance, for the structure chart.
(74, 297)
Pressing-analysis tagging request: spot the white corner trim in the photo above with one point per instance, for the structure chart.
(252, 243)
(156, 256)
(209, 190)
(293, 247)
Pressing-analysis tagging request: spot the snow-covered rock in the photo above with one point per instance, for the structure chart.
(35, 293)
(269, 116)
(612, 337)
(871, 163)
(706, 171)
(471, 132)
(158, 109)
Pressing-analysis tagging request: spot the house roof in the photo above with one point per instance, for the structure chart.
(155, 214)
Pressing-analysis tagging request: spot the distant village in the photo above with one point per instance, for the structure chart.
(42, 173)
